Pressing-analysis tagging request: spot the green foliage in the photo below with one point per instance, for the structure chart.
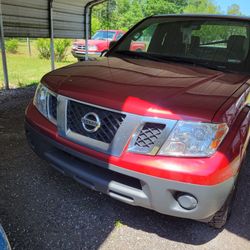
(234, 9)
(202, 7)
(95, 25)
(123, 14)
(60, 45)
(43, 47)
(11, 46)
(153, 7)
(61, 49)
(118, 224)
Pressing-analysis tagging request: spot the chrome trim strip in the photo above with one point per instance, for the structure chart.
(61, 115)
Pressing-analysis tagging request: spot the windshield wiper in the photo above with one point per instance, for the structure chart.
(222, 68)
(138, 55)
(193, 62)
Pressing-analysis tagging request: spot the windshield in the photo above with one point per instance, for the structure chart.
(212, 42)
(104, 35)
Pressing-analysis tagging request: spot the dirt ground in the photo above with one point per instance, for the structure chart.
(42, 209)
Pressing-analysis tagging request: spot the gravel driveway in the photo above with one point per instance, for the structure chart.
(42, 209)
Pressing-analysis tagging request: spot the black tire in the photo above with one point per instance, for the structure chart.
(81, 59)
(103, 53)
(221, 217)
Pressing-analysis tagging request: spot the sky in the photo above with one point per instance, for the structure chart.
(244, 5)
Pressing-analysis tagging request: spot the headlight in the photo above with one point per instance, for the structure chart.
(192, 139)
(93, 47)
(46, 102)
(41, 99)
(75, 46)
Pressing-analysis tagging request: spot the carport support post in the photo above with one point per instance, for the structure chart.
(52, 51)
(87, 34)
(29, 47)
(4, 59)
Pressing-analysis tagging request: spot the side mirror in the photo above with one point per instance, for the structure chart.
(112, 44)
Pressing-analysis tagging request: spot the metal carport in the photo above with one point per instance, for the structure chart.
(44, 19)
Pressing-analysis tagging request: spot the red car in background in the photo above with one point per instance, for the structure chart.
(100, 43)
(97, 45)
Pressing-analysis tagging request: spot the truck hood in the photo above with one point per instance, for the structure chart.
(149, 88)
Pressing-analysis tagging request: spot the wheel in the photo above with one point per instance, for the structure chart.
(103, 53)
(221, 217)
(81, 59)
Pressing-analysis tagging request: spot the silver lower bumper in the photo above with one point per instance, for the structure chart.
(128, 186)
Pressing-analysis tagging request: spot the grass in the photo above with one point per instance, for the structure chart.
(118, 224)
(25, 70)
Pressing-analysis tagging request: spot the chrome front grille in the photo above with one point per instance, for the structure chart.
(81, 47)
(115, 128)
(110, 121)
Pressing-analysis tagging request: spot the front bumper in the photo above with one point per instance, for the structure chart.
(79, 54)
(129, 186)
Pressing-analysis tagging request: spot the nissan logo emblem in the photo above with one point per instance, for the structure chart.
(91, 122)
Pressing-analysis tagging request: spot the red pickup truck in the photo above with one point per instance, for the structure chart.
(100, 43)
(165, 128)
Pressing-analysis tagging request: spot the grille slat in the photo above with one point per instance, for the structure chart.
(149, 135)
(81, 47)
(110, 121)
(53, 106)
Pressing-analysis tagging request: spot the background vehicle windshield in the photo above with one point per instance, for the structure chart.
(104, 35)
(211, 41)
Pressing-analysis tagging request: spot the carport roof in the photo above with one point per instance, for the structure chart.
(25, 18)
(44, 18)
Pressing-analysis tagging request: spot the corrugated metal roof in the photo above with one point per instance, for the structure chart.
(26, 18)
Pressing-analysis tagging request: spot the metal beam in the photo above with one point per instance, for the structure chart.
(52, 51)
(87, 11)
(29, 46)
(4, 59)
(87, 23)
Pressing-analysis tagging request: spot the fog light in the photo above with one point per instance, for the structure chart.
(187, 201)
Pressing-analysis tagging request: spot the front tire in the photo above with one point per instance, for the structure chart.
(81, 59)
(221, 217)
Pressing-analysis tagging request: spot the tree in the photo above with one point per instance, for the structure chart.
(234, 9)
(153, 7)
(123, 14)
(202, 7)
(95, 25)
(126, 14)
